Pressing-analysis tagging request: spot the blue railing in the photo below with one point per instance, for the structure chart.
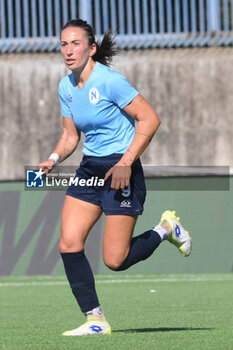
(34, 25)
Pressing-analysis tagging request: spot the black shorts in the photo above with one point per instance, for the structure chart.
(88, 185)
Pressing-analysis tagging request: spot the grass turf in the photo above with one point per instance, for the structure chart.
(145, 312)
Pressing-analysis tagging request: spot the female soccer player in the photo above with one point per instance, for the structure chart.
(99, 102)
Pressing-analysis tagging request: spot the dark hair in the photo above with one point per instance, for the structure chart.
(104, 49)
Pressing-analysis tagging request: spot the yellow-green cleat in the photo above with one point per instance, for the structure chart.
(96, 324)
(179, 236)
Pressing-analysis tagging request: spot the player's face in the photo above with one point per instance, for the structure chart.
(75, 48)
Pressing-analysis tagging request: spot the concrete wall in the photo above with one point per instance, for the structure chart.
(191, 90)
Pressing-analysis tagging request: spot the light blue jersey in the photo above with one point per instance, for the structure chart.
(97, 110)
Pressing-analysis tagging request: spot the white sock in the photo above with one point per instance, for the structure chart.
(95, 311)
(161, 232)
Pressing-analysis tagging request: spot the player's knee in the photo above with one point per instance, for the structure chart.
(66, 246)
(113, 262)
(63, 246)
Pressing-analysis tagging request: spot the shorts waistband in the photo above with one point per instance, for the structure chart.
(111, 156)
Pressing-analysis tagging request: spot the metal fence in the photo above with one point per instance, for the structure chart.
(34, 25)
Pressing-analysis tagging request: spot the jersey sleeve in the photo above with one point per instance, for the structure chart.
(121, 92)
(65, 109)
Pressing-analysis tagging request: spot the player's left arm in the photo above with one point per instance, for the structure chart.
(147, 124)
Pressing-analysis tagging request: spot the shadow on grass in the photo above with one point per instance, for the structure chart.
(164, 329)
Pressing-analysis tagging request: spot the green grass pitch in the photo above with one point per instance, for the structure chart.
(145, 312)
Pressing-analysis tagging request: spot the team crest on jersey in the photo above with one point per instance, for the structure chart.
(94, 96)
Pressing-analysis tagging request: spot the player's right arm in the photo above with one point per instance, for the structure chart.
(65, 146)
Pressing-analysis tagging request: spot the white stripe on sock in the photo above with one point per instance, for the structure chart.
(161, 232)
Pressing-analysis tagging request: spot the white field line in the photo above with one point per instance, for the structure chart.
(115, 281)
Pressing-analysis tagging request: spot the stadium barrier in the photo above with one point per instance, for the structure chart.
(34, 26)
(30, 225)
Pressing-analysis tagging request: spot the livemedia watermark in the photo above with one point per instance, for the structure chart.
(59, 178)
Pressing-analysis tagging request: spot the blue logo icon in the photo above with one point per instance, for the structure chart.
(95, 328)
(177, 231)
(35, 178)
